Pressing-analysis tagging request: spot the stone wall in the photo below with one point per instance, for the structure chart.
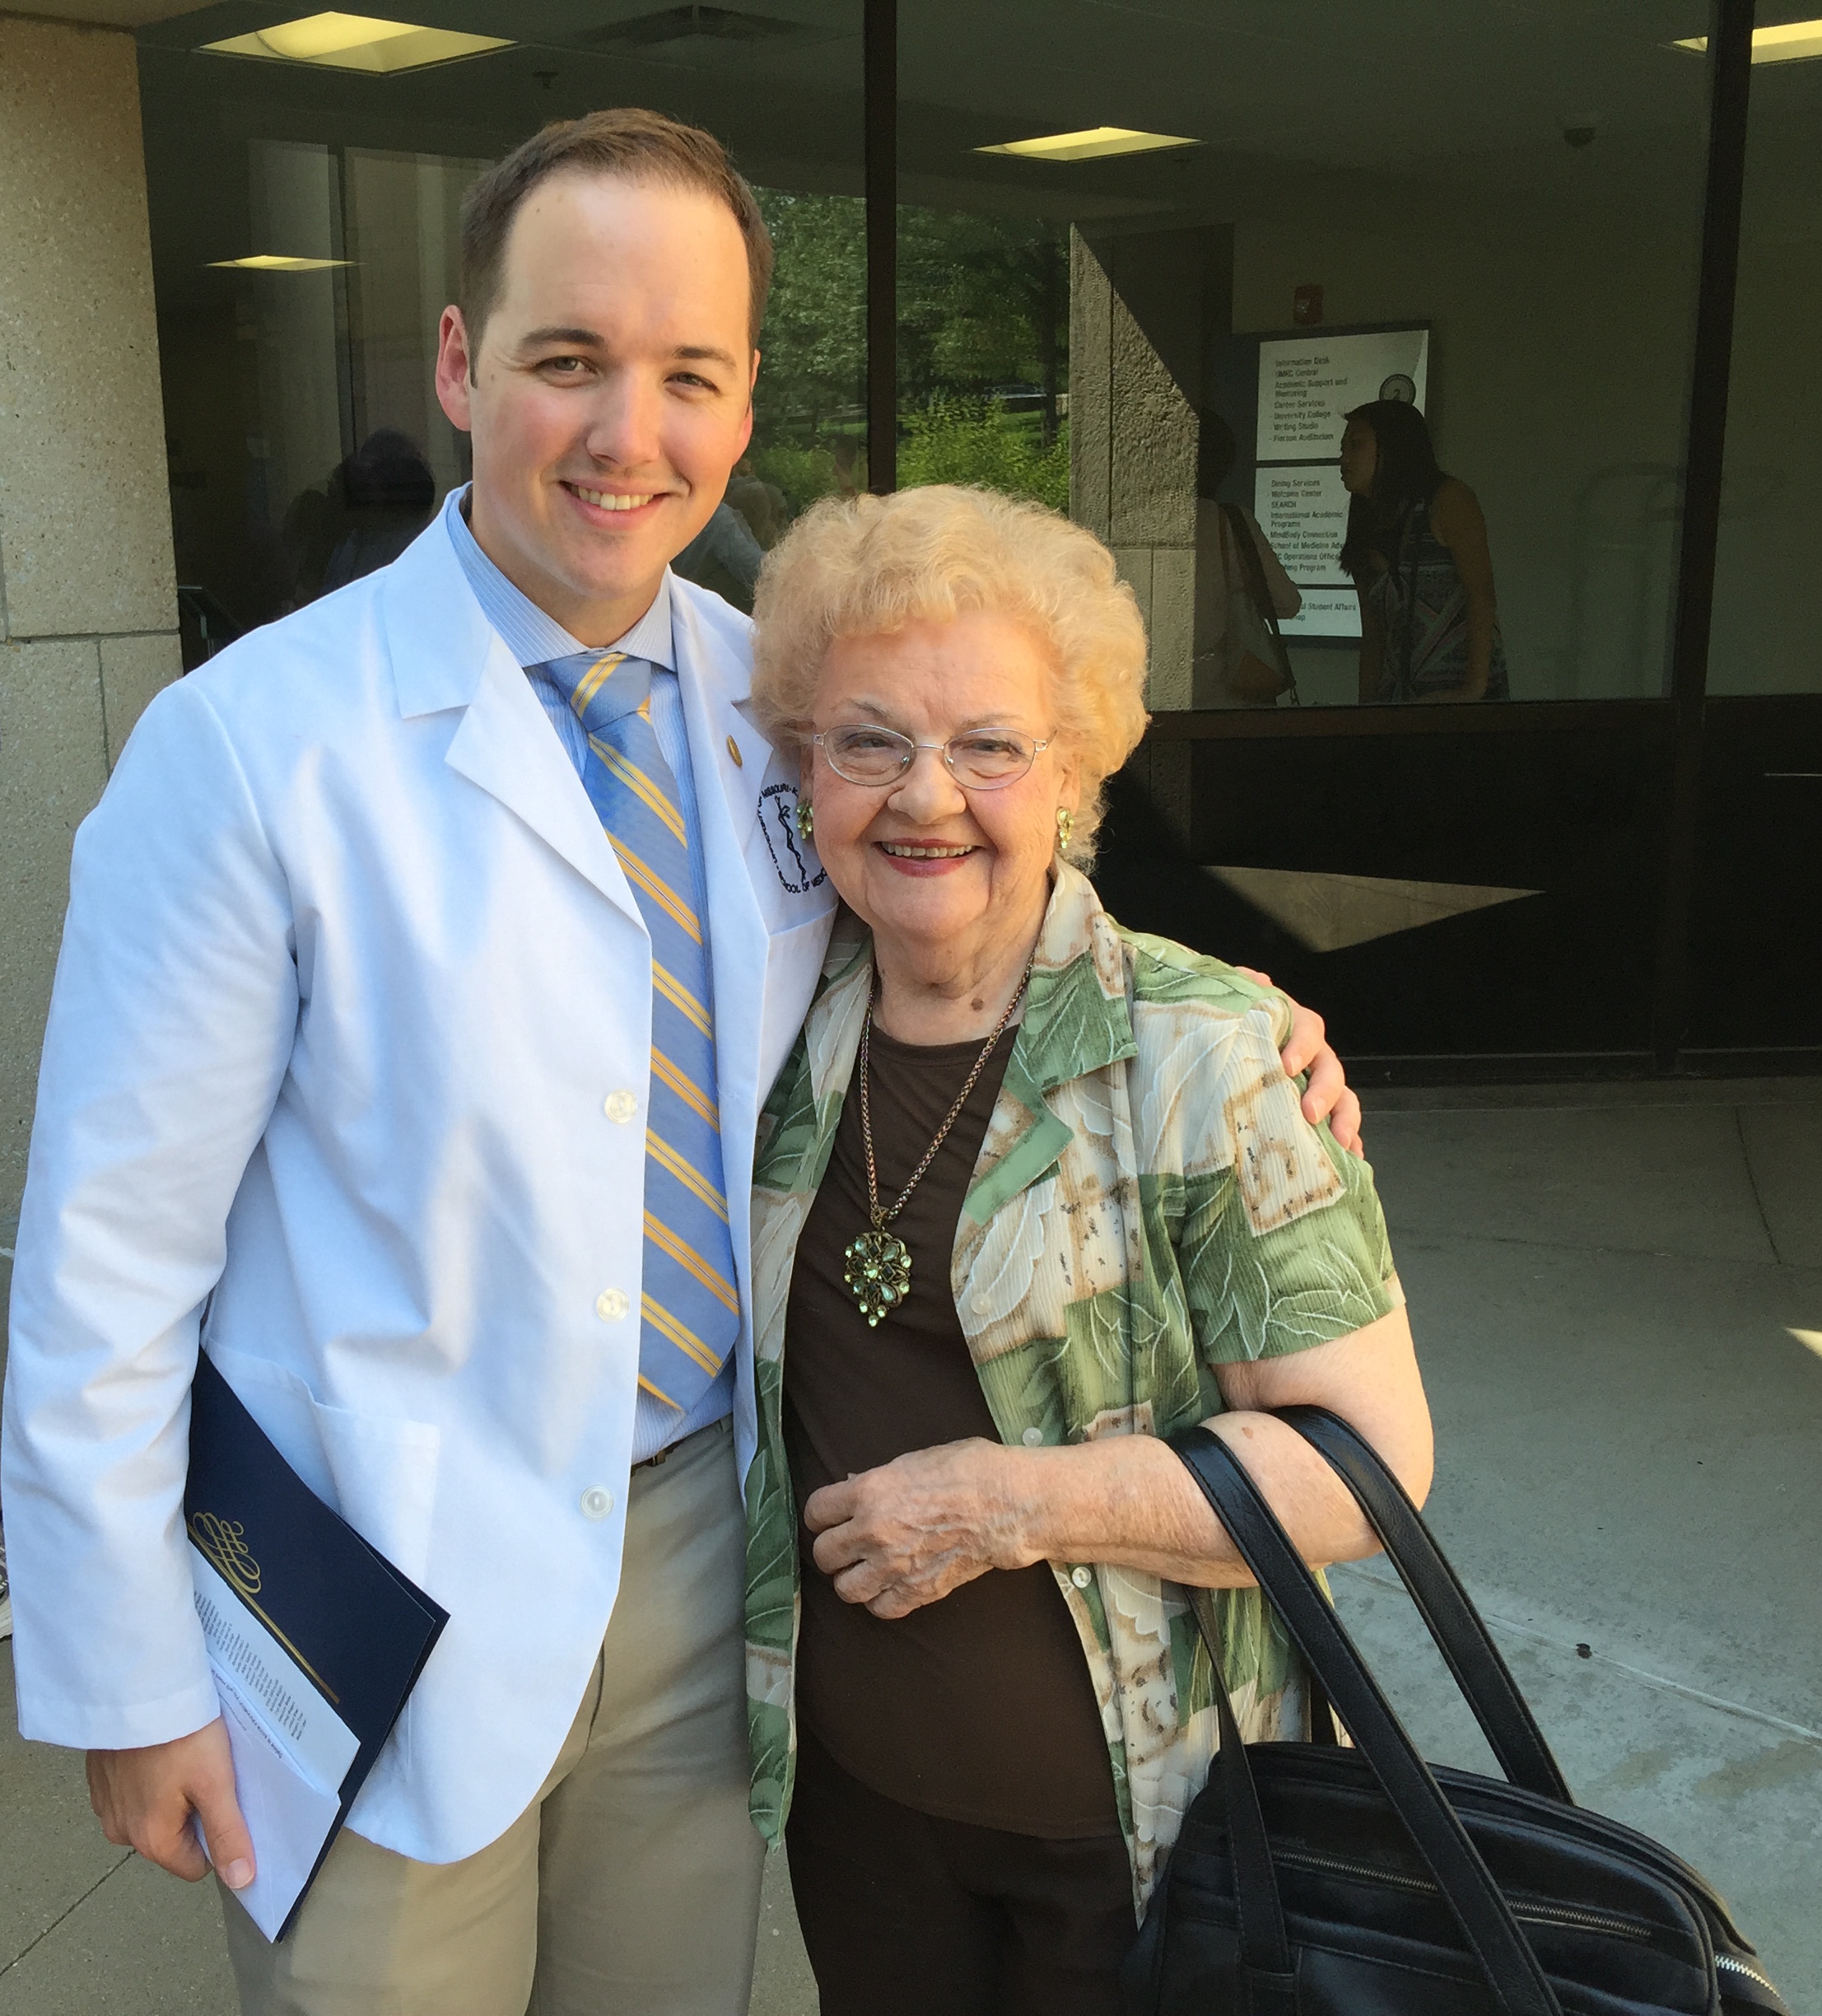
(88, 616)
(1142, 307)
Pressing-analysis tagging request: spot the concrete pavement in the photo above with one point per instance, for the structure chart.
(1617, 1293)
(1619, 1308)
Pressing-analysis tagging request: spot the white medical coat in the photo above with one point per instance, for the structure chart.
(350, 976)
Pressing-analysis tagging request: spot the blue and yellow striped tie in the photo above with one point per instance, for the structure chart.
(690, 1311)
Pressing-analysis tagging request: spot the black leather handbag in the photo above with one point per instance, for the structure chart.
(1313, 1880)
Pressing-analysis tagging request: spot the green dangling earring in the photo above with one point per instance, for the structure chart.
(1066, 825)
(805, 817)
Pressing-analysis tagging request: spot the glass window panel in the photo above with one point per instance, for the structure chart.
(1765, 638)
(810, 435)
(1486, 214)
(983, 350)
(305, 442)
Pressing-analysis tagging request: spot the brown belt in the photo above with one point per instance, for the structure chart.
(651, 1462)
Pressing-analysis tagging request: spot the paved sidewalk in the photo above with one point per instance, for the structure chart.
(87, 1931)
(1618, 1304)
(1617, 1293)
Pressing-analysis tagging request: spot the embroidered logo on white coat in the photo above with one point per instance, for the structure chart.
(799, 870)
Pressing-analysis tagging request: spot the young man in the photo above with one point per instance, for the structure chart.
(427, 963)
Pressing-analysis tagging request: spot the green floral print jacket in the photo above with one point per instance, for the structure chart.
(1148, 1203)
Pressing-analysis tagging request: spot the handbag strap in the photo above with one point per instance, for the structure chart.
(1518, 1983)
(1265, 1944)
(1445, 1606)
(1239, 532)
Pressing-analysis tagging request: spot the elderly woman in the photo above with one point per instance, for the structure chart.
(1032, 1192)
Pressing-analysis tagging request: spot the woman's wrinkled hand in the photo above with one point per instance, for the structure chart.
(906, 1534)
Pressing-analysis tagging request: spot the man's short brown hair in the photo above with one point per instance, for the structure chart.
(643, 147)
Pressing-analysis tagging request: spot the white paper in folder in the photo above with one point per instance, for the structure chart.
(292, 1750)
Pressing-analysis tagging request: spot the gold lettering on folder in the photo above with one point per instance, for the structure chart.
(222, 1543)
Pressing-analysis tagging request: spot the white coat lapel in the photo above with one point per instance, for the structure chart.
(445, 655)
(506, 746)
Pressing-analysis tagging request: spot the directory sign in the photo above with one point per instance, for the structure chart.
(1303, 512)
(1326, 613)
(1307, 385)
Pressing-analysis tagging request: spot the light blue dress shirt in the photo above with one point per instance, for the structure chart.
(534, 638)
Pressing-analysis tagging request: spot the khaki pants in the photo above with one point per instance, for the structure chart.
(631, 1884)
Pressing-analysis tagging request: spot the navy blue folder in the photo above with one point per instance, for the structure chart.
(359, 1631)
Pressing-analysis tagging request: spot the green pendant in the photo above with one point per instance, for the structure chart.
(878, 1273)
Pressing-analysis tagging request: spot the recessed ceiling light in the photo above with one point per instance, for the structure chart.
(356, 42)
(1791, 42)
(279, 262)
(1092, 143)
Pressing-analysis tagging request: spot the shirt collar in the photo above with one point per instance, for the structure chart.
(527, 631)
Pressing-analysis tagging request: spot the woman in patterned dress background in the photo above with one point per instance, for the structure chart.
(1417, 550)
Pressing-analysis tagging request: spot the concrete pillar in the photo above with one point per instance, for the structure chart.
(1139, 304)
(1132, 460)
(88, 609)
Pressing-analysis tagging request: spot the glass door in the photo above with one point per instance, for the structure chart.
(1436, 799)
(305, 191)
(1757, 911)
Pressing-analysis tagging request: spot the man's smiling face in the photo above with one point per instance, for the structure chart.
(610, 395)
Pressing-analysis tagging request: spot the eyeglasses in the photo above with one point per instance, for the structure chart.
(983, 759)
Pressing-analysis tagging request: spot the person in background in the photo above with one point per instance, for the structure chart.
(365, 513)
(763, 505)
(724, 557)
(1417, 550)
(1241, 587)
(1032, 1192)
(387, 493)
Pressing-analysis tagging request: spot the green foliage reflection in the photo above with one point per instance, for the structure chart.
(957, 439)
(983, 351)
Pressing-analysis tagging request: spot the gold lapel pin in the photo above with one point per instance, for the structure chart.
(733, 750)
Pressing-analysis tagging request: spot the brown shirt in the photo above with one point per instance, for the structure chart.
(978, 1708)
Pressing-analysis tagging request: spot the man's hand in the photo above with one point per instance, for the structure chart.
(144, 1799)
(1328, 1095)
(906, 1534)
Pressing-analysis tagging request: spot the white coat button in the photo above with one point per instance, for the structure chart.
(620, 1107)
(611, 1305)
(1081, 1577)
(597, 1502)
(1032, 1437)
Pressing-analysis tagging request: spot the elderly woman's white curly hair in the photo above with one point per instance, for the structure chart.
(866, 566)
